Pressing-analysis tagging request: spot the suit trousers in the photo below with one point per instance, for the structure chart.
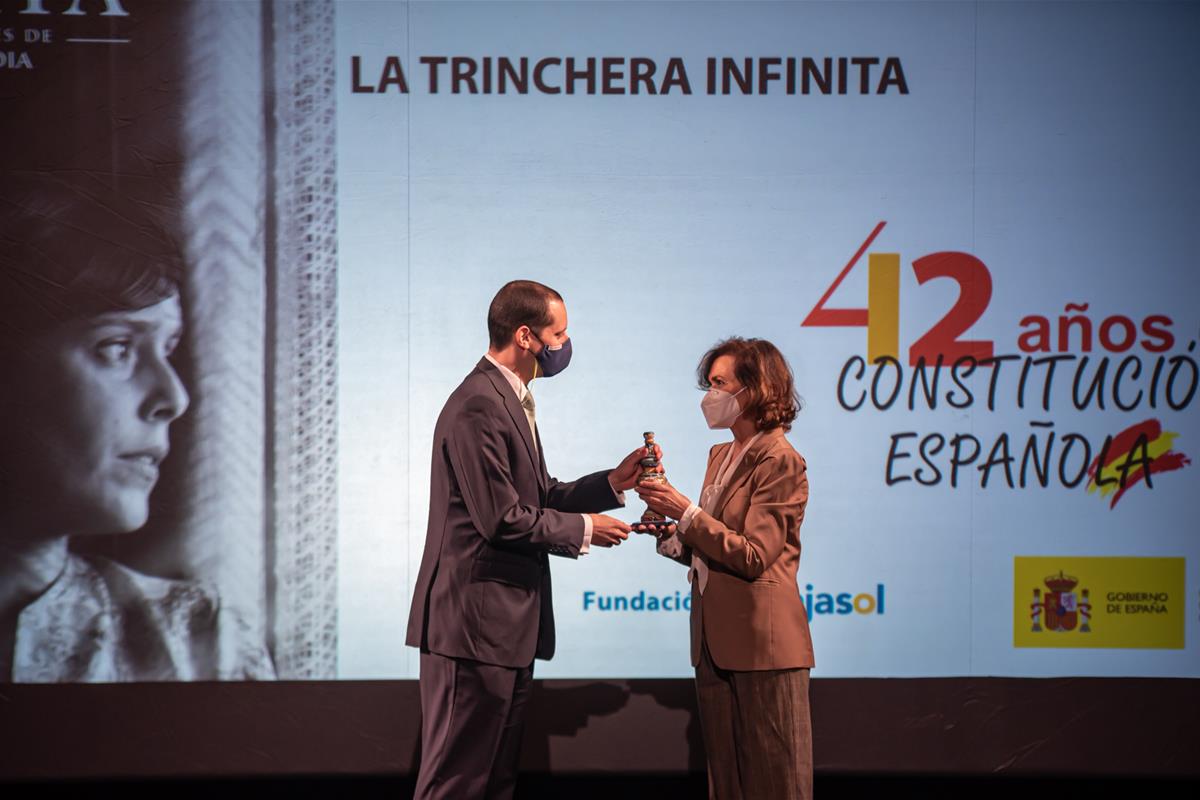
(472, 718)
(757, 732)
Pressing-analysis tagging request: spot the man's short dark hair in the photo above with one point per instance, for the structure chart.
(519, 303)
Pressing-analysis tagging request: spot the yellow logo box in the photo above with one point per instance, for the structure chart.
(1068, 601)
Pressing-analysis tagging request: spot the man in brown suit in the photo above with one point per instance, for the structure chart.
(482, 608)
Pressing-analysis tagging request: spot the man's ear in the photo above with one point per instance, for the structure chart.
(522, 335)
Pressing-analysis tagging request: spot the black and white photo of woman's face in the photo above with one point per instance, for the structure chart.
(102, 394)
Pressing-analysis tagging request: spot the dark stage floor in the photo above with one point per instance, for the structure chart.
(628, 787)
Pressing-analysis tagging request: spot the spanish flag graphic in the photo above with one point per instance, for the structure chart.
(1133, 456)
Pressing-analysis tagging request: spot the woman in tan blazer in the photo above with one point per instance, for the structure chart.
(750, 639)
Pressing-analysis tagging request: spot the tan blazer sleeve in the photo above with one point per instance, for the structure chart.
(769, 505)
(663, 545)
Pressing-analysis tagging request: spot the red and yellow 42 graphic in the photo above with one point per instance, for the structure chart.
(881, 317)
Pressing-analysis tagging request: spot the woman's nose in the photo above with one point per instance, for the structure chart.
(167, 398)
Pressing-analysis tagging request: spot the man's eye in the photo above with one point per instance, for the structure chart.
(113, 351)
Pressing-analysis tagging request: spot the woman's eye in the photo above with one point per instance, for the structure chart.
(113, 351)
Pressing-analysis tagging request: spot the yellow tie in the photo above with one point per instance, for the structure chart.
(527, 404)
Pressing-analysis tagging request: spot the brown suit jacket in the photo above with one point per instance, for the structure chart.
(751, 614)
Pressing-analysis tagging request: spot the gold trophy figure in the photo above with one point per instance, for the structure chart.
(655, 523)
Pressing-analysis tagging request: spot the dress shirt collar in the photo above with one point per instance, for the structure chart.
(514, 380)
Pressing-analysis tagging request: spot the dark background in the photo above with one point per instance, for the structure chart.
(946, 737)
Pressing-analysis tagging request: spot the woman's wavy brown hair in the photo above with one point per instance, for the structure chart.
(762, 370)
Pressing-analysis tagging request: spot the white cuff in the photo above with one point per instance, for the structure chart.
(686, 518)
(620, 494)
(587, 534)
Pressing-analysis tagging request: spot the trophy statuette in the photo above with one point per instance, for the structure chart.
(652, 521)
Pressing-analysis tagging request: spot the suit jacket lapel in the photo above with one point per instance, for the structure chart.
(520, 421)
(714, 464)
(543, 472)
(741, 473)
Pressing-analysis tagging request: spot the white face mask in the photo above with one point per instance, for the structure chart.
(721, 408)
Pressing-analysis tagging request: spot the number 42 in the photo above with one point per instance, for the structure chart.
(881, 317)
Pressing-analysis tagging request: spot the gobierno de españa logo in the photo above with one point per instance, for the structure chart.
(1071, 361)
(1098, 602)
